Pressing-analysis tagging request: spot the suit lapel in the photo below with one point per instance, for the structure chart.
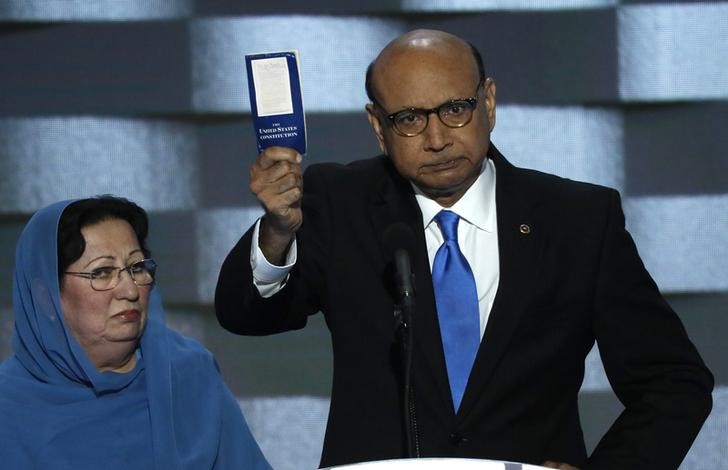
(519, 248)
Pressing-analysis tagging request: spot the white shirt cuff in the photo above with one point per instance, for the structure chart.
(269, 278)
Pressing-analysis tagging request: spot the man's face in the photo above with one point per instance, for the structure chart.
(442, 161)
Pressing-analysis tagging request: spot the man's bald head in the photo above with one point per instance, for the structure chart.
(420, 40)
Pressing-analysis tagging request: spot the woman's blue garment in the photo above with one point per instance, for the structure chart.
(172, 411)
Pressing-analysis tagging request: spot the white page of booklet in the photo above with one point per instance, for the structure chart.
(272, 86)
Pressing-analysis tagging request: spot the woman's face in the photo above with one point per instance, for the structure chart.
(107, 324)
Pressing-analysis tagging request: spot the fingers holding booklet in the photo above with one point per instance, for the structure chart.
(276, 181)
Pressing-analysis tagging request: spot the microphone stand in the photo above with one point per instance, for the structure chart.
(404, 314)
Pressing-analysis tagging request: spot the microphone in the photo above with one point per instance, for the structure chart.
(405, 286)
(398, 238)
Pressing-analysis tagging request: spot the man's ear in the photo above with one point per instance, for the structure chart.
(489, 91)
(376, 127)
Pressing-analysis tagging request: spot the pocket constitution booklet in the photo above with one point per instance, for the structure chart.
(275, 100)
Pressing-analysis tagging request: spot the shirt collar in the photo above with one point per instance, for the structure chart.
(477, 206)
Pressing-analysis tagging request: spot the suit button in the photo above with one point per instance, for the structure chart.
(457, 439)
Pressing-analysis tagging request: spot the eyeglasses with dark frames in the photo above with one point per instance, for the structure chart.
(107, 277)
(455, 113)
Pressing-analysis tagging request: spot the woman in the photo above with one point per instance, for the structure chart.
(97, 379)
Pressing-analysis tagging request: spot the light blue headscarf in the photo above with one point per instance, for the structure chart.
(58, 412)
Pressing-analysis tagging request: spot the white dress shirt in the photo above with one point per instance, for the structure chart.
(477, 238)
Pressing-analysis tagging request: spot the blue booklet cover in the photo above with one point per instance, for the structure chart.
(275, 100)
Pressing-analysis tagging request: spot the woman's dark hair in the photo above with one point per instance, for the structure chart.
(85, 212)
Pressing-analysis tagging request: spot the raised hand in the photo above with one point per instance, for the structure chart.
(276, 180)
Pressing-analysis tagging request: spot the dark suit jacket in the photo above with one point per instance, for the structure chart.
(574, 278)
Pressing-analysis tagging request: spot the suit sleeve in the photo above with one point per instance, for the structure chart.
(239, 306)
(651, 364)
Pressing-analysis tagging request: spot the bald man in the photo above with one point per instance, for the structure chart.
(552, 268)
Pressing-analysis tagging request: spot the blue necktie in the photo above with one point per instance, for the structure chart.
(457, 306)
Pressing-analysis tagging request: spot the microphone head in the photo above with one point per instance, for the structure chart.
(399, 239)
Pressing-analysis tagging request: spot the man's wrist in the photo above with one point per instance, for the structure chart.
(274, 243)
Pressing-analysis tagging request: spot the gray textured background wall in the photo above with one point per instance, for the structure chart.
(148, 99)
